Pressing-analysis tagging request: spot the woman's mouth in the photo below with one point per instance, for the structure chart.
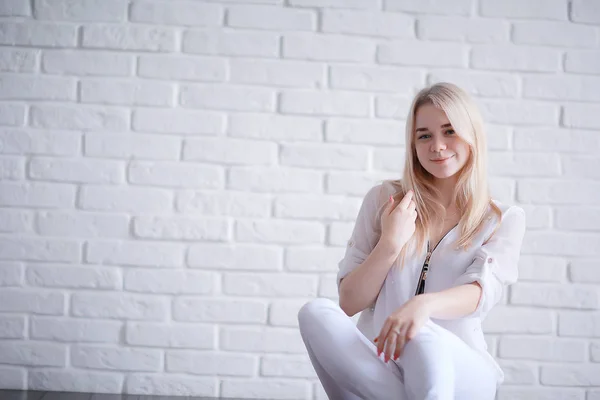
(441, 160)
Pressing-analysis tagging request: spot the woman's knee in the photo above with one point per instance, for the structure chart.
(309, 312)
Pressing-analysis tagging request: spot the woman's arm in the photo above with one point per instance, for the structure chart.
(453, 303)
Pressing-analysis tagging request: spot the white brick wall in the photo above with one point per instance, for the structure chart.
(178, 177)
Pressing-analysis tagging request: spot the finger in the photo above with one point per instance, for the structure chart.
(382, 336)
(412, 332)
(403, 339)
(389, 205)
(412, 205)
(406, 199)
(390, 345)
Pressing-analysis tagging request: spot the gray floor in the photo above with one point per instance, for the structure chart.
(43, 395)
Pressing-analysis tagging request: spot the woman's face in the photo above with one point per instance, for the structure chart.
(439, 149)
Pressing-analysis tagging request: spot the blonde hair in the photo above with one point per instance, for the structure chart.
(471, 193)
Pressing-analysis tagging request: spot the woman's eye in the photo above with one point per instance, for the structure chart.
(450, 131)
(423, 136)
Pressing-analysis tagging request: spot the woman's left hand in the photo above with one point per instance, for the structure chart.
(407, 320)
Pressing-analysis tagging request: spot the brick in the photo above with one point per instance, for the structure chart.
(277, 73)
(457, 29)
(332, 156)
(539, 393)
(364, 131)
(275, 127)
(181, 228)
(127, 93)
(356, 183)
(543, 33)
(538, 217)
(213, 363)
(135, 253)
(420, 53)
(226, 97)
(313, 259)
(39, 249)
(79, 117)
(294, 206)
(202, 309)
(29, 301)
(269, 285)
(172, 67)
(27, 87)
(519, 112)
(530, 9)
(388, 159)
(132, 145)
(581, 61)
(278, 180)
(392, 106)
(239, 257)
(584, 271)
(11, 274)
(503, 320)
(87, 63)
(191, 336)
(595, 351)
(33, 354)
(123, 37)
(75, 381)
(327, 104)
(176, 175)
(561, 88)
(543, 349)
(577, 218)
(12, 168)
(16, 221)
(524, 164)
(561, 243)
(123, 359)
(375, 78)
(178, 121)
(390, 25)
(555, 139)
(579, 324)
(14, 378)
(12, 114)
(227, 203)
(339, 233)
(167, 384)
(184, 13)
(585, 11)
(75, 330)
(218, 42)
(580, 116)
(352, 4)
(76, 277)
(119, 306)
(515, 58)
(77, 170)
(38, 34)
(580, 375)
(12, 327)
(81, 11)
(262, 340)
(169, 282)
(282, 389)
(125, 199)
(276, 18)
(230, 151)
(556, 296)
(279, 231)
(328, 288)
(557, 192)
(484, 84)
(502, 189)
(18, 60)
(284, 312)
(519, 373)
(542, 268)
(453, 7)
(15, 8)
(340, 48)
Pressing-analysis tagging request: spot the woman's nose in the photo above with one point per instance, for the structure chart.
(438, 145)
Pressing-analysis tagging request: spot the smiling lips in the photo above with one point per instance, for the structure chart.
(441, 160)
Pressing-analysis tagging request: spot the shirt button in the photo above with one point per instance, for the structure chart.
(350, 242)
(490, 259)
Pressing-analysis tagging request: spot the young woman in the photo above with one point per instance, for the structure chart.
(429, 256)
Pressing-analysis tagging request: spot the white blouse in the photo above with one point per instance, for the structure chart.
(493, 265)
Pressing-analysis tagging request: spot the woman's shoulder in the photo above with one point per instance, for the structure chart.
(379, 194)
(508, 212)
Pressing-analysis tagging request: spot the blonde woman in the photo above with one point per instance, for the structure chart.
(429, 256)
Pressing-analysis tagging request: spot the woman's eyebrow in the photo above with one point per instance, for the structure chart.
(426, 129)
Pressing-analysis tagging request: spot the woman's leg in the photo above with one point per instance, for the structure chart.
(438, 365)
(345, 360)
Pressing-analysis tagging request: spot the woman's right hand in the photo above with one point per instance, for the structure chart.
(398, 221)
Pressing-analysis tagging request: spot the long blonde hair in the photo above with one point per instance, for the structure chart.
(471, 193)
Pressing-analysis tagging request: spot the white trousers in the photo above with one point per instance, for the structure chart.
(435, 364)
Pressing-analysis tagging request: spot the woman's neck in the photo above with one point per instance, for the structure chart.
(446, 187)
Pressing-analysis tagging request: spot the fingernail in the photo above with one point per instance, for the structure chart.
(391, 198)
(376, 339)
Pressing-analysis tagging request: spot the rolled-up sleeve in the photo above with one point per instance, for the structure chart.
(364, 235)
(495, 264)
